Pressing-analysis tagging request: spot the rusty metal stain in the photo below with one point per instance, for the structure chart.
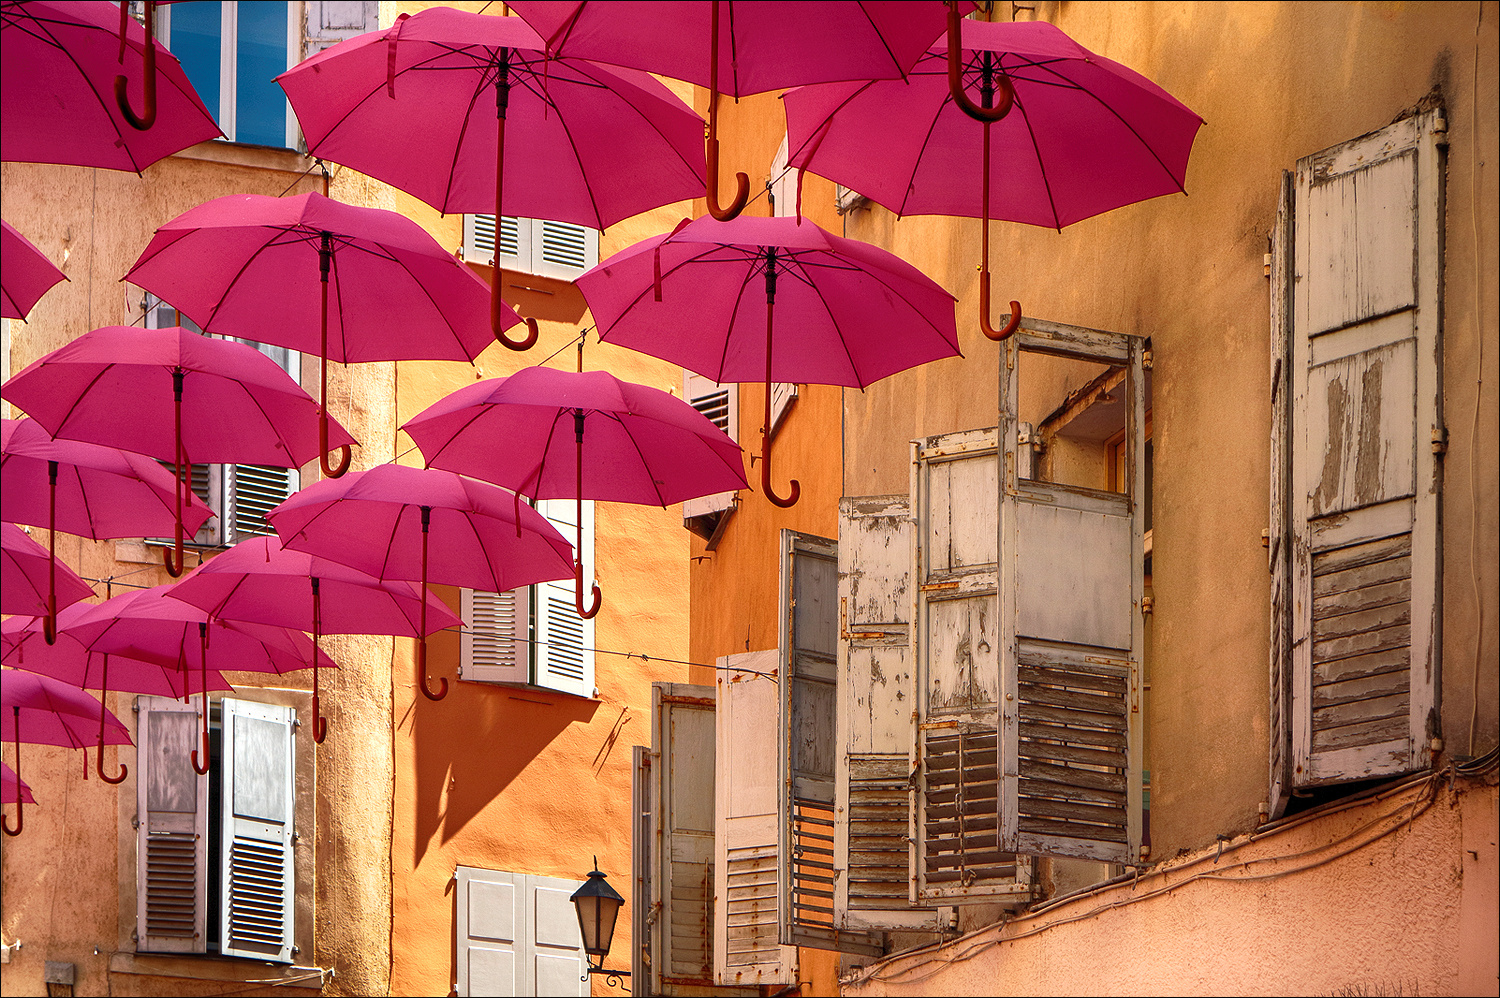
(929, 587)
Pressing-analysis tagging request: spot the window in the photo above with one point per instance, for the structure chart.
(240, 495)
(707, 515)
(533, 636)
(215, 869)
(232, 52)
(532, 245)
(1357, 428)
(518, 935)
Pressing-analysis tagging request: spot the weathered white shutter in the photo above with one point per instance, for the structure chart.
(479, 240)
(493, 646)
(328, 22)
(565, 642)
(171, 830)
(956, 638)
(1069, 632)
(251, 491)
(875, 690)
(555, 961)
(642, 865)
(746, 948)
(490, 932)
(1366, 425)
(1279, 555)
(258, 774)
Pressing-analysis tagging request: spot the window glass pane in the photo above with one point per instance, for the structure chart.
(260, 111)
(196, 41)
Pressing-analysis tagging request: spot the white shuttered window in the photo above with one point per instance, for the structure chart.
(561, 250)
(517, 934)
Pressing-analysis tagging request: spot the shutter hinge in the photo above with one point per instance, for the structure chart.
(1265, 538)
(1147, 358)
(1148, 604)
(1440, 440)
(135, 821)
(1266, 264)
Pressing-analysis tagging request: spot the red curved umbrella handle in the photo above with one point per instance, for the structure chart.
(345, 455)
(148, 82)
(583, 613)
(20, 805)
(320, 723)
(422, 625)
(497, 307)
(99, 759)
(956, 81)
(174, 567)
(203, 664)
(325, 263)
(711, 145)
(984, 267)
(765, 430)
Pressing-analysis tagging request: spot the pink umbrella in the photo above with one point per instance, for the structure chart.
(50, 713)
(13, 789)
(397, 294)
(188, 398)
(588, 144)
(1080, 135)
(28, 273)
(261, 582)
(378, 521)
(102, 491)
(764, 45)
(857, 313)
(58, 65)
(535, 431)
(32, 585)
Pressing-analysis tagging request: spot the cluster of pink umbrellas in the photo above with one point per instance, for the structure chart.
(579, 132)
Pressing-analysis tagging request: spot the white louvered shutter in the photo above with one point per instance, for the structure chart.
(250, 492)
(172, 830)
(328, 22)
(1070, 632)
(256, 825)
(490, 932)
(1365, 491)
(873, 786)
(746, 948)
(721, 405)
(560, 250)
(493, 646)
(565, 642)
(1279, 554)
(479, 240)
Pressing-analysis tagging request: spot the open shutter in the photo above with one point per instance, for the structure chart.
(721, 405)
(491, 932)
(565, 641)
(328, 22)
(1280, 534)
(251, 491)
(1366, 419)
(479, 240)
(258, 783)
(954, 484)
(563, 249)
(873, 787)
(1070, 635)
(555, 961)
(642, 864)
(171, 830)
(746, 946)
(493, 646)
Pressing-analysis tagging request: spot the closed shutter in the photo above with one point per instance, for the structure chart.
(565, 641)
(560, 250)
(494, 647)
(555, 961)
(490, 932)
(954, 488)
(258, 783)
(171, 830)
(873, 786)
(747, 950)
(328, 22)
(1069, 631)
(479, 240)
(207, 483)
(1367, 406)
(1279, 555)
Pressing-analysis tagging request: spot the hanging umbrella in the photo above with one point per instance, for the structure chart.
(42, 711)
(28, 274)
(379, 522)
(70, 661)
(1062, 135)
(13, 789)
(32, 583)
(535, 432)
(586, 144)
(856, 313)
(175, 395)
(261, 582)
(58, 104)
(762, 45)
(91, 491)
(265, 268)
(150, 625)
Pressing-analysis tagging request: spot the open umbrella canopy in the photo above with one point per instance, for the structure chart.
(40, 710)
(26, 273)
(58, 65)
(13, 789)
(28, 576)
(73, 662)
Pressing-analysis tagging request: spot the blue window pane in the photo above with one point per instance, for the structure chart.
(196, 42)
(260, 114)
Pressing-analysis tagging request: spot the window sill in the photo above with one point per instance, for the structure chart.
(239, 154)
(219, 968)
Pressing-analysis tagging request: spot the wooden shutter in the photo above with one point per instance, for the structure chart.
(1366, 410)
(1070, 636)
(747, 950)
(555, 961)
(490, 932)
(956, 743)
(1279, 553)
(479, 240)
(642, 865)
(171, 830)
(875, 689)
(258, 782)
(328, 22)
(564, 641)
(494, 646)
(250, 492)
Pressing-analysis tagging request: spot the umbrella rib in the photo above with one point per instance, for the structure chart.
(729, 326)
(895, 63)
(458, 145)
(229, 287)
(661, 499)
(577, 157)
(702, 257)
(828, 310)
